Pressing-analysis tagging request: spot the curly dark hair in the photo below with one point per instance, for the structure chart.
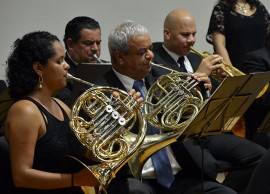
(33, 47)
(76, 25)
(231, 3)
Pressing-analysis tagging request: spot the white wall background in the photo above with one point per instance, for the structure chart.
(18, 17)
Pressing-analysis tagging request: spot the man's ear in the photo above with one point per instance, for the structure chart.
(166, 34)
(69, 44)
(119, 57)
(37, 68)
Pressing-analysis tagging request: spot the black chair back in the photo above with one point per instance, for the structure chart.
(6, 183)
(3, 86)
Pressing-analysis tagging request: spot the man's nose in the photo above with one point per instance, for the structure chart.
(149, 55)
(191, 38)
(94, 46)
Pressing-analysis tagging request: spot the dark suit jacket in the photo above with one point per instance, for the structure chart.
(162, 57)
(257, 61)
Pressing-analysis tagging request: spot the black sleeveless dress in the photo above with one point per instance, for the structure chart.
(52, 149)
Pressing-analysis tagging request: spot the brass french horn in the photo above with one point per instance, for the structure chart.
(105, 129)
(172, 101)
(170, 105)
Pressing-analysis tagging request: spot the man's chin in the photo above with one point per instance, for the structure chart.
(186, 52)
(146, 73)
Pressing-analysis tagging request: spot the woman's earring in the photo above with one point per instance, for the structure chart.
(40, 80)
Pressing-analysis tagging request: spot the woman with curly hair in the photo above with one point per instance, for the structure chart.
(236, 28)
(37, 125)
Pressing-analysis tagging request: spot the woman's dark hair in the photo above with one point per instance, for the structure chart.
(76, 25)
(33, 47)
(232, 3)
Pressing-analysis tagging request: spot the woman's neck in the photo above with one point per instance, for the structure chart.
(241, 6)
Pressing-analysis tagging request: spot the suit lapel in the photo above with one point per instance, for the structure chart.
(113, 81)
(194, 60)
(162, 57)
(72, 69)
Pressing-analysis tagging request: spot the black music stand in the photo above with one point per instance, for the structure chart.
(226, 105)
(265, 126)
(89, 72)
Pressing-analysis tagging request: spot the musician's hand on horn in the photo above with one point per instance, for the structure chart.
(202, 77)
(210, 64)
(135, 95)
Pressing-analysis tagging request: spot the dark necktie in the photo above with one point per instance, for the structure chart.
(181, 63)
(138, 86)
(160, 159)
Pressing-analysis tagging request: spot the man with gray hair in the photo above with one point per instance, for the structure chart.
(131, 54)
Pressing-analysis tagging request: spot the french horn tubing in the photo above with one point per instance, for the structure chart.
(170, 105)
(105, 129)
(172, 101)
(229, 69)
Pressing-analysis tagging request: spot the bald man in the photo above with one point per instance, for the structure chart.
(225, 152)
(178, 35)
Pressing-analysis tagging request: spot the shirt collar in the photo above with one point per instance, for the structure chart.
(72, 59)
(172, 54)
(175, 57)
(126, 81)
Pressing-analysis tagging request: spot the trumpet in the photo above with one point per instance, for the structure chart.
(105, 129)
(229, 69)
